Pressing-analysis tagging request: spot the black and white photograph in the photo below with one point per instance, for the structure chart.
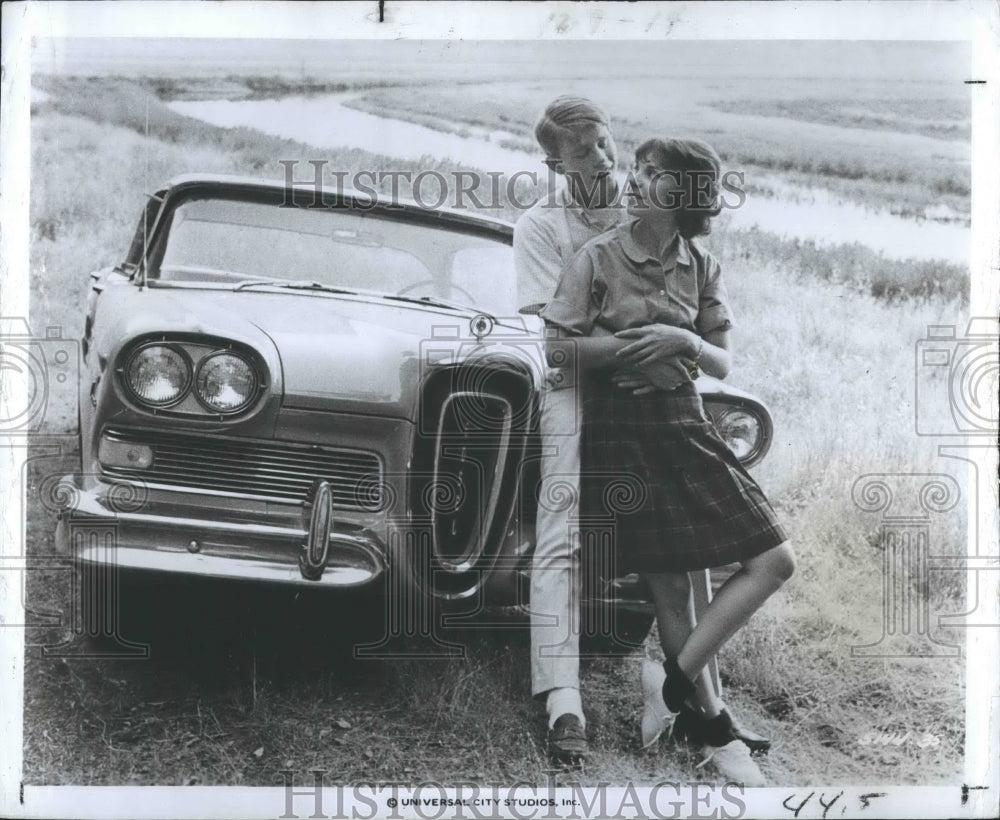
(499, 410)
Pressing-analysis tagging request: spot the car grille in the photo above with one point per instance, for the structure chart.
(269, 469)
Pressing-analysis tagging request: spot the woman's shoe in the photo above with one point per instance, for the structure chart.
(689, 723)
(656, 717)
(728, 755)
(757, 744)
(734, 763)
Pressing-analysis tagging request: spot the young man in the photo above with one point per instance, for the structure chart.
(576, 138)
(578, 145)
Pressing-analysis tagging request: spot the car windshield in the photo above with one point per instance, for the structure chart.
(235, 241)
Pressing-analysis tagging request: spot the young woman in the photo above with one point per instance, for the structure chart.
(663, 296)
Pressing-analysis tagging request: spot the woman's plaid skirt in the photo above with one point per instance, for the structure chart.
(661, 490)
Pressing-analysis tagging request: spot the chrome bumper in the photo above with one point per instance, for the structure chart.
(92, 531)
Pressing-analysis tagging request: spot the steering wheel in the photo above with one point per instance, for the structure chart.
(424, 282)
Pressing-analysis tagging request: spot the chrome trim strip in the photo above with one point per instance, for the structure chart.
(239, 569)
(85, 505)
(474, 549)
(182, 488)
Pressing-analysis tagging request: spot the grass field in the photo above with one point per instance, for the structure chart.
(893, 154)
(829, 350)
(942, 117)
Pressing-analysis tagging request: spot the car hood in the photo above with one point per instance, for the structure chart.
(345, 353)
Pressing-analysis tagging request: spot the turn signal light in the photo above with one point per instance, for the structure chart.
(124, 454)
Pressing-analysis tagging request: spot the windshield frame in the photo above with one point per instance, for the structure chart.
(307, 198)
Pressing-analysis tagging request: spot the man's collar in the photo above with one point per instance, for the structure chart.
(678, 251)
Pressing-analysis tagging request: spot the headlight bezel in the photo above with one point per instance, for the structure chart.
(195, 349)
(719, 407)
(252, 395)
(134, 393)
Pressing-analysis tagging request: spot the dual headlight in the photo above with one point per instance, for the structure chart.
(162, 375)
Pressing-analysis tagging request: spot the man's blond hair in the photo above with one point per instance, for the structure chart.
(563, 117)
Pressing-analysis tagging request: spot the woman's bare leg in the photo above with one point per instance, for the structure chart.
(675, 621)
(742, 595)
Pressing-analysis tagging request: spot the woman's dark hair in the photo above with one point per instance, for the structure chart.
(698, 167)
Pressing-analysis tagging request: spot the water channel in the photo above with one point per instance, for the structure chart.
(816, 214)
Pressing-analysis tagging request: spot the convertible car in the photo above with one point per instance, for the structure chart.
(326, 391)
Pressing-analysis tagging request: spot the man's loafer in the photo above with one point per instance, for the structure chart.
(567, 740)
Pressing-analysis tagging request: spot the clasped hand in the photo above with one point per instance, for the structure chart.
(666, 375)
(655, 343)
(655, 360)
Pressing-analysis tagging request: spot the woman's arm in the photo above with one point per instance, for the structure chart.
(654, 344)
(601, 351)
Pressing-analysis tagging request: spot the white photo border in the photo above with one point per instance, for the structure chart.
(974, 22)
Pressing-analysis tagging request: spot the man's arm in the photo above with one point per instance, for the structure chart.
(536, 261)
(595, 352)
(587, 352)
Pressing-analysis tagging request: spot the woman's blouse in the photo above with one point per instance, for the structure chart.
(613, 283)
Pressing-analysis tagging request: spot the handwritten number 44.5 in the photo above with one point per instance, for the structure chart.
(827, 805)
